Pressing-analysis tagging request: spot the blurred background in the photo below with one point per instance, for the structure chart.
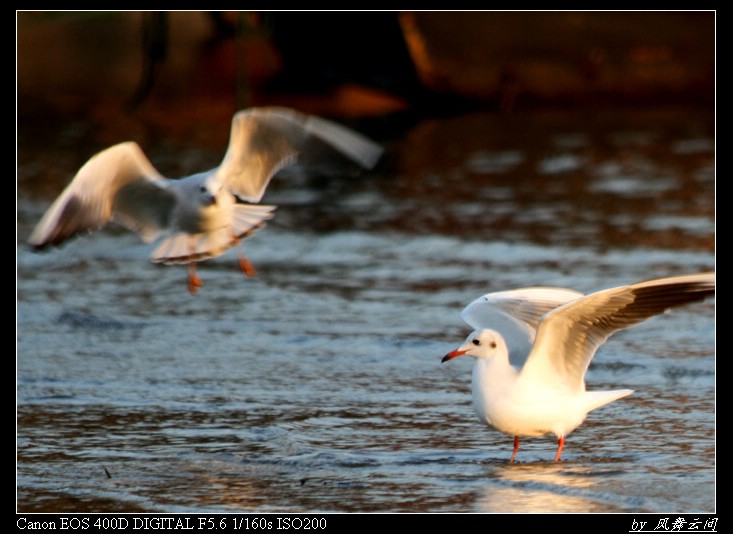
(521, 148)
(161, 65)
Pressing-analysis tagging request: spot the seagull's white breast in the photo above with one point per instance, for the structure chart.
(502, 401)
(195, 217)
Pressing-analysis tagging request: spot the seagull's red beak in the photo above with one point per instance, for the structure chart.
(454, 354)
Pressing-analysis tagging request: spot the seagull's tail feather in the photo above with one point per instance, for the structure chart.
(249, 218)
(186, 248)
(596, 399)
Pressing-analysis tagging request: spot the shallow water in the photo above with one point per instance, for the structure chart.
(316, 386)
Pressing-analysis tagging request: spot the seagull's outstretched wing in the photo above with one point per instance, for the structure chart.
(516, 314)
(264, 140)
(569, 336)
(118, 184)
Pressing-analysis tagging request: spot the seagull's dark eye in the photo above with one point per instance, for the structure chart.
(476, 342)
(202, 189)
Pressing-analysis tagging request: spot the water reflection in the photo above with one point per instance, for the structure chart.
(546, 487)
(532, 182)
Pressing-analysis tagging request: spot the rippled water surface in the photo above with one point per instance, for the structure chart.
(317, 385)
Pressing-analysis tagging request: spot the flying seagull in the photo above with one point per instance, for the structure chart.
(203, 215)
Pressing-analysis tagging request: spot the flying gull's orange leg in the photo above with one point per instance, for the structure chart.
(194, 282)
(246, 266)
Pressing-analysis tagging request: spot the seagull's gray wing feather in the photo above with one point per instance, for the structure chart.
(118, 184)
(264, 140)
(516, 314)
(568, 337)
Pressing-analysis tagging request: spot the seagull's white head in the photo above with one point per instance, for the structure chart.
(207, 196)
(205, 188)
(482, 344)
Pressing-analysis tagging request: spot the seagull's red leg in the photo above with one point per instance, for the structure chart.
(560, 445)
(194, 282)
(246, 266)
(516, 448)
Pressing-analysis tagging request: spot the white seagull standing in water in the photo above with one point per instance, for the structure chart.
(203, 215)
(559, 331)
